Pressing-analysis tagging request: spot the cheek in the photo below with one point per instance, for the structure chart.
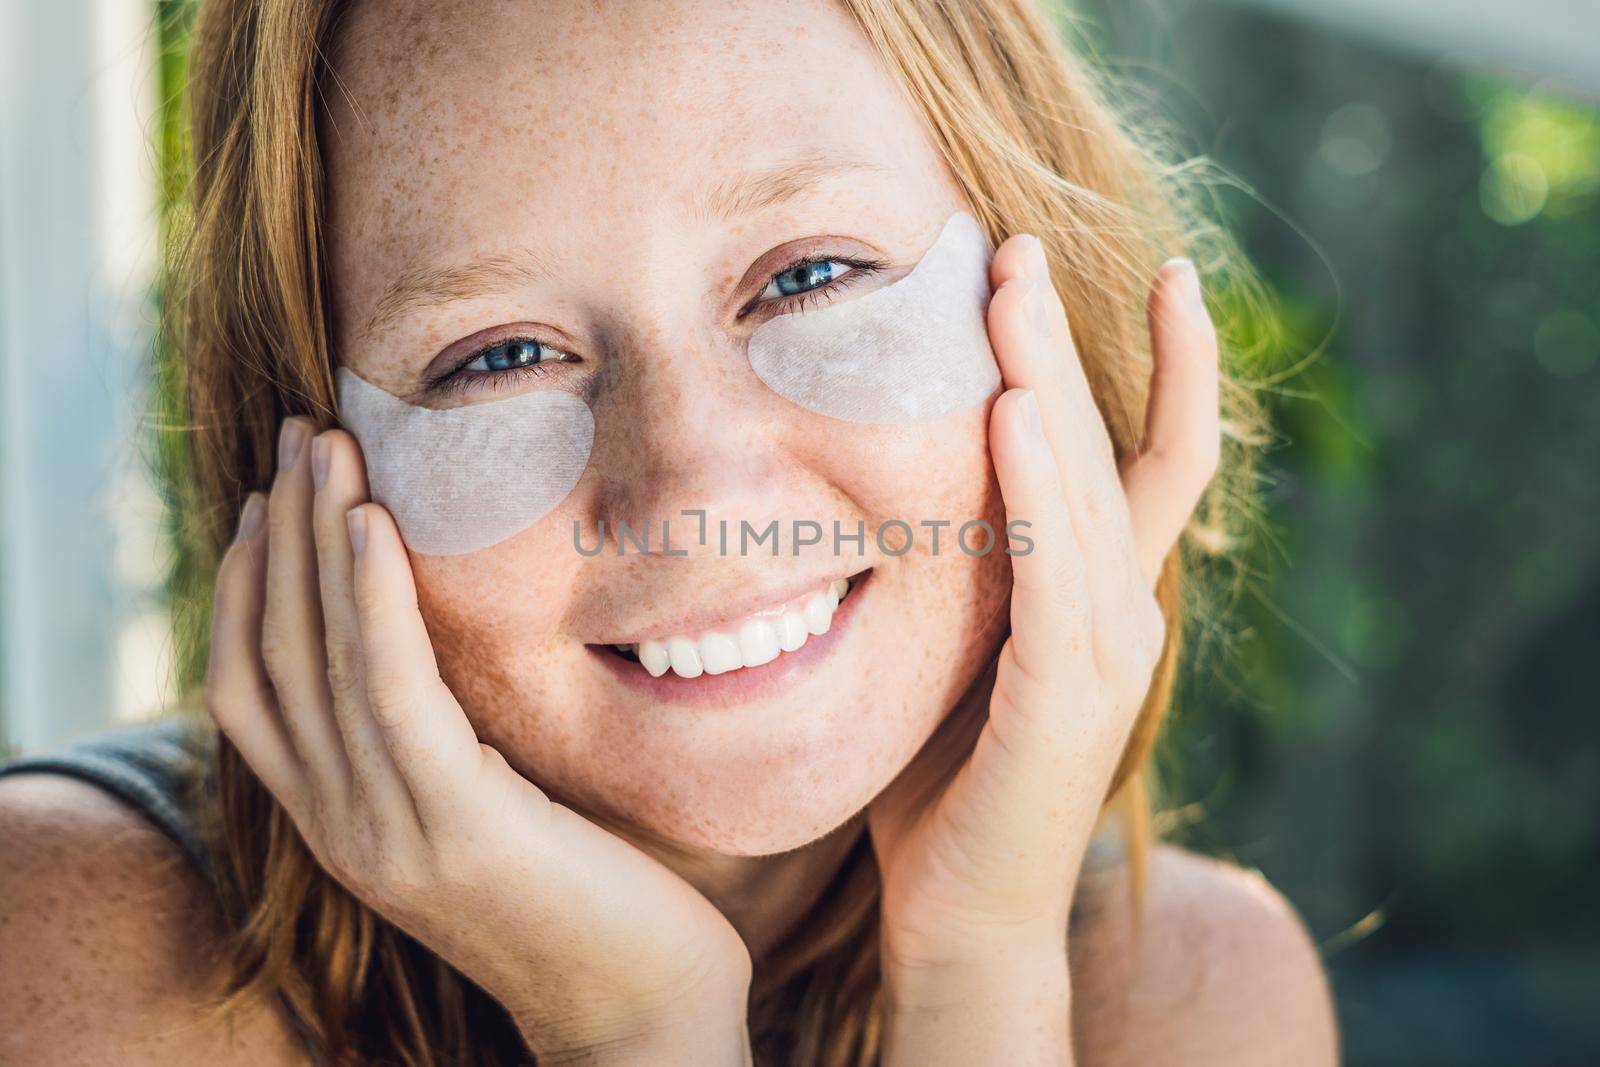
(923, 473)
(491, 615)
(945, 595)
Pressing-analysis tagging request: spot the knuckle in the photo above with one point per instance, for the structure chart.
(390, 699)
(229, 703)
(277, 648)
(1099, 501)
(345, 668)
(1024, 685)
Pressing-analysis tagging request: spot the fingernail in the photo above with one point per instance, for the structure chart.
(1038, 262)
(355, 521)
(319, 460)
(1192, 283)
(1029, 405)
(250, 516)
(290, 438)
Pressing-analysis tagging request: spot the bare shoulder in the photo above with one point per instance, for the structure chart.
(1222, 972)
(109, 936)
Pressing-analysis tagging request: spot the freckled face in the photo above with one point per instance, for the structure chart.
(588, 164)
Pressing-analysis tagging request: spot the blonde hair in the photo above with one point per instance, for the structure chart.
(1030, 135)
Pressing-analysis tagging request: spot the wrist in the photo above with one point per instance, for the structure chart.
(959, 954)
(714, 1040)
(703, 1026)
(1038, 968)
(1012, 1006)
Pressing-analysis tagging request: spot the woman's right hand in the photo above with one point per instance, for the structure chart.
(323, 676)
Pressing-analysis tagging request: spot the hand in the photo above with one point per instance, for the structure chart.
(980, 862)
(323, 675)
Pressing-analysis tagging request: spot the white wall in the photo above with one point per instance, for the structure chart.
(77, 249)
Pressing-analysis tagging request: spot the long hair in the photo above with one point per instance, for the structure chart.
(1029, 130)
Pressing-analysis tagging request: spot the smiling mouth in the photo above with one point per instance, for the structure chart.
(759, 638)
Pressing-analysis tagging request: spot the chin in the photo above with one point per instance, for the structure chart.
(771, 794)
(744, 832)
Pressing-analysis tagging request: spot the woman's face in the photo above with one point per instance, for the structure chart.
(617, 189)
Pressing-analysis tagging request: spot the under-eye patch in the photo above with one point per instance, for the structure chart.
(914, 350)
(464, 478)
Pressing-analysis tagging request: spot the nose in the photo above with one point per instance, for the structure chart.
(691, 447)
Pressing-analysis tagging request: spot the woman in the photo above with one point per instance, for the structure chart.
(484, 794)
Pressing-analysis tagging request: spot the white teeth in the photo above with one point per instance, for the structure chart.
(758, 643)
(720, 653)
(685, 657)
(761, 639)
(653, 654)
(792, 632)
(818, 614)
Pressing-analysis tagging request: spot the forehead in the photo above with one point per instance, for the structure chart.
(442, 118)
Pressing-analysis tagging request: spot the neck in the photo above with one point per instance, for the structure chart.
(763, 897)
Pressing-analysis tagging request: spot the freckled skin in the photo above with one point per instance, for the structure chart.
(592, 133)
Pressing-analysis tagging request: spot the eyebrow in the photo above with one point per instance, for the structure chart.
(427, 286)
(420, 287)
(763, 188)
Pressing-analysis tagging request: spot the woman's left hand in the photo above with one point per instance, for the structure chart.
(980, 861)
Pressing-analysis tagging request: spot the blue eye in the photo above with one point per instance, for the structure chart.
(513, 354)
(804, 277)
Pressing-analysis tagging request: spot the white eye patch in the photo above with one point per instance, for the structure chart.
(460, 479)
(914, 350)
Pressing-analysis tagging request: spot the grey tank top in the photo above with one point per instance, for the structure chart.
(150, 766)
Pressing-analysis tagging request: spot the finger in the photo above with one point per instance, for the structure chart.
(1051, 619)
(291, 638)
(239, 695)
(427, 733)
(1055, 368)
(1029, 356)
(1034, 348)
(340, 480)
(1183, 435)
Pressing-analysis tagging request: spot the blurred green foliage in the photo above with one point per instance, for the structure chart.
(188, 578)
